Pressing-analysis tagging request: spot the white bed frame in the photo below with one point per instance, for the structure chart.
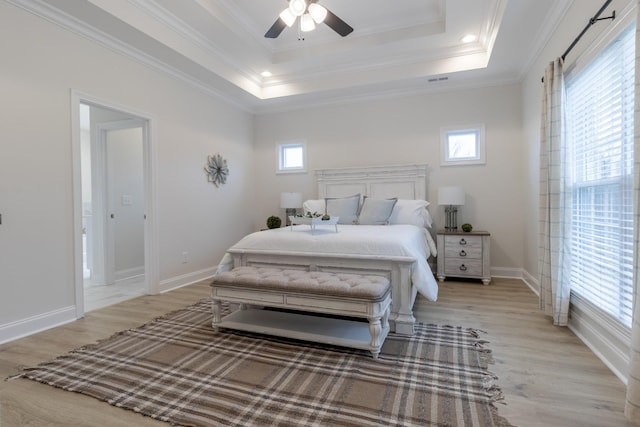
(402, 181)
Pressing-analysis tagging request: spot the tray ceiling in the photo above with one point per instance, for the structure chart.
(396, 46)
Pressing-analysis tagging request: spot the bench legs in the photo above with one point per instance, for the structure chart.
(216, 306)
(378, 325)
(375, 329)
(378, 328)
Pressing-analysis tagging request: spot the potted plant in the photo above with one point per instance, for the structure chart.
(274, 222)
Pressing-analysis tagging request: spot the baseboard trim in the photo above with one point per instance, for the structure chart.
(608, 340)
(186, 279)
(129, 273)
(517, 273)
(41, 322)
(506, 272)
(531, 282)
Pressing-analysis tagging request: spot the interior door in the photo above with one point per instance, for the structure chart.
(125, 202)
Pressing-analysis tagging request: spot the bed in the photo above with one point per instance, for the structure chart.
(398, 250)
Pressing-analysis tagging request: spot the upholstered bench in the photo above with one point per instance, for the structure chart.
(344, 296)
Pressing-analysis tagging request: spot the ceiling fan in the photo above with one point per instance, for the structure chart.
(310, 13)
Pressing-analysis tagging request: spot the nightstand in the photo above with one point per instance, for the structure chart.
(462, 254)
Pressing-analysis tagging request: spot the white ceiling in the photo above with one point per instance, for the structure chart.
(397, 46)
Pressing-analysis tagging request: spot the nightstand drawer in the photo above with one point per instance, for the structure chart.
(463, 267)
(463, 242)
(462, 252)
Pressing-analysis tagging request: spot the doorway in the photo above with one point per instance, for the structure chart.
(113, 152)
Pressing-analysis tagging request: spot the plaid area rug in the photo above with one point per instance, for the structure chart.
(180, 370)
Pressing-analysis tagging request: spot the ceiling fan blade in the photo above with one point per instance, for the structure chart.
(275, 29)
(337, 24)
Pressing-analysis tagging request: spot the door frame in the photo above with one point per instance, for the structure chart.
(150, 189)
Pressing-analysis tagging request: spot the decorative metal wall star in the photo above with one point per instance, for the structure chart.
(216, 169)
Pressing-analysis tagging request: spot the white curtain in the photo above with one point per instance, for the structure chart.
(555, 200)
(632, 407)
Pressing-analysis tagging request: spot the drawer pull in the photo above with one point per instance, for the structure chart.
(463, 242)
(463, 253)
(463, 267)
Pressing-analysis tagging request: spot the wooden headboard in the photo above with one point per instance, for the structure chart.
(401, 181)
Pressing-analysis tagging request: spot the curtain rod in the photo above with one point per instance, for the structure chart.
(592, 21)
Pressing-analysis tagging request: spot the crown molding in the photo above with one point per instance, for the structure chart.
(167, 18)
(346, 97)
(546, 30)
(44, 10)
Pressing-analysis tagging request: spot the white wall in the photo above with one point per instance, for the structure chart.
(41, 63)
(407, 130)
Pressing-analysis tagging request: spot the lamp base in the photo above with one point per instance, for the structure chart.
(451, 214)
(289, 212)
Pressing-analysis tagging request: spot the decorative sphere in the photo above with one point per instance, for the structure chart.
(274, 222)
(467, 227)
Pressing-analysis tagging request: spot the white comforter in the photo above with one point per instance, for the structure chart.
(392, 240)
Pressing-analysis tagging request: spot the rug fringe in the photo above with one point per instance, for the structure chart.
(499, 421)
(490, 380)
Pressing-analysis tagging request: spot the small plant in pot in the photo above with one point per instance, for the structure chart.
(274, 222)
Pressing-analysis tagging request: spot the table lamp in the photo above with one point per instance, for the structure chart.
(290, 202)
(451, 197)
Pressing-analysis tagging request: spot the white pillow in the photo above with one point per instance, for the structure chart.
(376, 211)
(412, 212)
(314, 206)
(344, 207)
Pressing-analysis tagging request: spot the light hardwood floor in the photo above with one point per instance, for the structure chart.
(549, 378)
(99, 296)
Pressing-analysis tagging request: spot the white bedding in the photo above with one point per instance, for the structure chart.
(391, 240)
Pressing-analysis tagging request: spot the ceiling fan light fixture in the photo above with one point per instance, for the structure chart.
(297, 7)
(288, 17)
(317, 12)
(306, 23)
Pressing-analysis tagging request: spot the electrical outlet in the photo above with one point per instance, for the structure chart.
(185, 257)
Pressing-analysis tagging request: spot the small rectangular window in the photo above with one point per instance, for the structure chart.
(462, 145)
(292, 157)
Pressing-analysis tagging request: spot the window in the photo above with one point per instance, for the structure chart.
(292, 157)
(599, 112)
(462, 145)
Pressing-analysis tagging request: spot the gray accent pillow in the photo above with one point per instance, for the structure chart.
(344, 207)
(376, 211)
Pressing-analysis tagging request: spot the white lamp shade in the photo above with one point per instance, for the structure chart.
(290, 200)
(451, 196)
(317, 12)
(288, 17)
(306, 23)
(297, 7)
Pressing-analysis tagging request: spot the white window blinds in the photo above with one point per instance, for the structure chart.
(599, 112)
